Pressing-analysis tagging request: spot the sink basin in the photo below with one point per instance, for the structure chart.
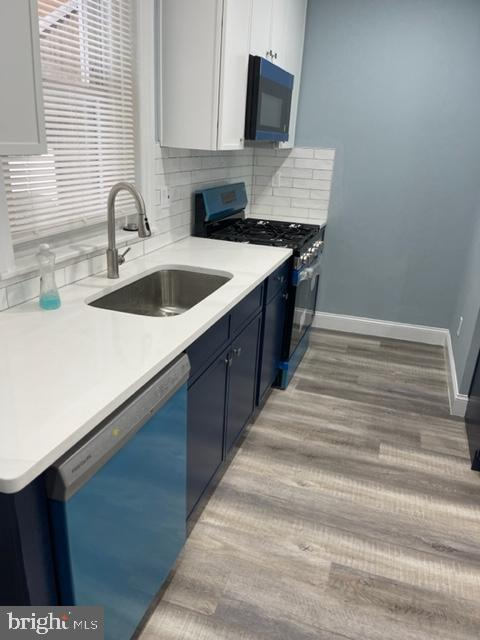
(163, 293)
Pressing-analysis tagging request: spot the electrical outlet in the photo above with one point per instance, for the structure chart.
(164, 197)
(277, 179)
(460, 325)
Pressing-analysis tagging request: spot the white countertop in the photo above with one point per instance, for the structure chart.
(62, 372)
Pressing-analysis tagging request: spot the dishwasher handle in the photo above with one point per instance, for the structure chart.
(66, 476)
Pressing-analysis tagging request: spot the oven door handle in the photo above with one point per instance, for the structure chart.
(307, 273)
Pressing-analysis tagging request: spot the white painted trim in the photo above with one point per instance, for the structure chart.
(380, 328)
(145, 102)
(7, 259)
(400, 331)
(458, 401)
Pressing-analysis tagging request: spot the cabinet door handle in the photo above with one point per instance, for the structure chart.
(281, 279)
(275, 56)
(237, 352)
(228, 360)
(285, 296)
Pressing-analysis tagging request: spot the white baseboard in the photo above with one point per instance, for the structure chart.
(458, 401)
(399, 331)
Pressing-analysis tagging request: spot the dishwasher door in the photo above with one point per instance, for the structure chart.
(118, 505)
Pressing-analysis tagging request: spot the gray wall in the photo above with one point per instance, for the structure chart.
(467, 345)
(394, 86)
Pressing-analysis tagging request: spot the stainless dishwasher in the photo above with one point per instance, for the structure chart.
(117, 504)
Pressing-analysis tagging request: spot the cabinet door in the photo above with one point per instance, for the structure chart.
(22, 125)
(242, 381)
(273, 326)
(280, 31)
(190, 51)
(292, 55)
(260, 41)
(205, 427)
(237, 17)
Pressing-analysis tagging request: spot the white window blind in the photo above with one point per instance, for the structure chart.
(87, 54)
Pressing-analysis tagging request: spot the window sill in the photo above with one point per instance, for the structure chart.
(66, 254)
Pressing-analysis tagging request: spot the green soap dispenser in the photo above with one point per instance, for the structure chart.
(49, 296)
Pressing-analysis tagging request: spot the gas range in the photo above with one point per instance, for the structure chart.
(219, 214)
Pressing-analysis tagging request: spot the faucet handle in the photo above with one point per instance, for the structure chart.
(121, 257)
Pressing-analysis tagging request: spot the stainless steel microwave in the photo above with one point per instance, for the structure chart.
(269, 100)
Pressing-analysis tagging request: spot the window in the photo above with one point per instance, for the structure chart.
(87, 58)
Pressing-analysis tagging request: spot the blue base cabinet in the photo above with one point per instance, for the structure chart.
(226, 386)
(206, 417)
(221, 399)
(242, 381)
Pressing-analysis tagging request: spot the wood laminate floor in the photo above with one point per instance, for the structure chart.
(349, 512)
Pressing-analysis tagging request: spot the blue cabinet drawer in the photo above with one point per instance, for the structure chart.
(278, 280)
(246, 309)
(204, 350)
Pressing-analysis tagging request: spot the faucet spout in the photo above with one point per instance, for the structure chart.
(114, 260)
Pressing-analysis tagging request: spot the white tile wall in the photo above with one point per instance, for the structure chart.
(292, 184)
(181, 172)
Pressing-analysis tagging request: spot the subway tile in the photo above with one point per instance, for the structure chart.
(326, 165)
(85, 268)
(317, 217)
(301, 152)
(261, 190)
(213, 162)
(319, 185)
(153, 244)
(325, 154)
(323, 175)
(260, 210)
(179, 179)
(290, 172)
(286, 212)
(320, 194)
(189, 164)
(271, 201)
(171, 165)
(23, 291)
(265, 171)
(290, 192)
(178, 153)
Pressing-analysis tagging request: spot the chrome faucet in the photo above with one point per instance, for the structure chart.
(114, 259)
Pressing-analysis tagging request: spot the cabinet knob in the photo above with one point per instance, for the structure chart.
(275, 56)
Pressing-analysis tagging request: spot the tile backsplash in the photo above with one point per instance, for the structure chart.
(291, 184)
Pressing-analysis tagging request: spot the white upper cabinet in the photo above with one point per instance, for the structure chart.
(278, 34)
(203, 63)
(22, 124)
(292, 56)
(261, 37)
(203, 73)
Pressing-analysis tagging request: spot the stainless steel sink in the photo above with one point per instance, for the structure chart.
(163, 293)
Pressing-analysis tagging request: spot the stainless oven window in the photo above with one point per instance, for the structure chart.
(306, 292)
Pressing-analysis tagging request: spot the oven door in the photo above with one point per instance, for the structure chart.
(269, 100)
(305, 291)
